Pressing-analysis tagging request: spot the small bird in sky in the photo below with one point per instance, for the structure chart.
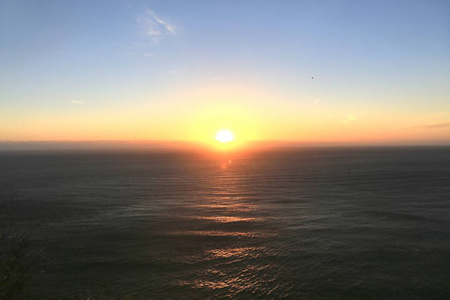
(312, 77)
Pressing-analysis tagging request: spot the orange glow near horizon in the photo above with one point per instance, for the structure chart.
(255, 116)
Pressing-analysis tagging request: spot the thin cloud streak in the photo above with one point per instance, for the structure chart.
(349, 119)
(155, 28)
(437, 126)
(174, 71)
(436, 115)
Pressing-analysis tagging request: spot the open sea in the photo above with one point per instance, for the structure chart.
(313, 223)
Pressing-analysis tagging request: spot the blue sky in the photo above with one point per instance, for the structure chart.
(147, 64)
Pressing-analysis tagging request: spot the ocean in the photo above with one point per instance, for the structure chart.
(306, 223)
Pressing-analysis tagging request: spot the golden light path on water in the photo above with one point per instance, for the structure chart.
(238, 264)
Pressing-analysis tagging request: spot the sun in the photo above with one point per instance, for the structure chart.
(224, 136)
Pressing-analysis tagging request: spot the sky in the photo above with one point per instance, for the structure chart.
(292, 71)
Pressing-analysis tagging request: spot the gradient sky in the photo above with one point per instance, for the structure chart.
(181, 70)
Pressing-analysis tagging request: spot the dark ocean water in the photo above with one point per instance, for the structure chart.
(356, 223)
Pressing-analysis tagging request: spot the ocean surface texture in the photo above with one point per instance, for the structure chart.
(348, 223)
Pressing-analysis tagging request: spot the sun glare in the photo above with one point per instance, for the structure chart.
(224, 136)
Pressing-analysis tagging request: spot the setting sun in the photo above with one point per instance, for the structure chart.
(224, 136)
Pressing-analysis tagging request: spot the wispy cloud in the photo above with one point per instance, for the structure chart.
(430, 126)
(435, 115)
(174, 71)
(349, 119)
(77, 102)
(442, 113)
(155, 28)
(437, 125)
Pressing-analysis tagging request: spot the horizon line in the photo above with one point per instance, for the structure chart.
(191, 145)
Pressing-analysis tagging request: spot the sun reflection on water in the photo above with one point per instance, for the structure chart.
(220, 233)
(249, 252)
(229, 220)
